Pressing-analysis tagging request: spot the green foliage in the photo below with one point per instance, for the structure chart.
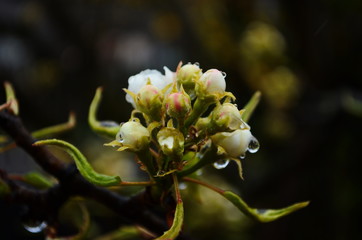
(262, 215)
(82, 164)
(171, 138)
(103, 128)
(37, 180)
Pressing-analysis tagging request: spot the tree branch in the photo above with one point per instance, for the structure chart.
(45, 204)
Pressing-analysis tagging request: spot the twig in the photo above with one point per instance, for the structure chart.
(71, 183)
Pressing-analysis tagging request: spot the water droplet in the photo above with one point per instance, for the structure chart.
(197, 64)
(35, 227)
(199, 172)
(220, 164)
(223, 74)
(119, 137)
(253, 145)
(242, 156)
(182, 186)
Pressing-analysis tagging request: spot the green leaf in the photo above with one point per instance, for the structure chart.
(56, 129)
(262, 215)
(44, 132)
(106, 129)
(37, 180)
(123, 233)
(178, 218)
(10, 97)
(250, 106)
(175, 229)
(82, 164)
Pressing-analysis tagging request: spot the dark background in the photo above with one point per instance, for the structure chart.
(305, 57)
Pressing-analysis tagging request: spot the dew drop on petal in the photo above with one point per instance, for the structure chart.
(222, 163)
(197, 64)
(242, 156)
(253, 145)
(119, 138)
(35, 227)
(223, 74)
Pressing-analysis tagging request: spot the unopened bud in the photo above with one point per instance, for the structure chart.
(212, 82)
(149, 101)
(235, 144)
(187, 75)
(227, 117)
(178, 104)
(132, 135)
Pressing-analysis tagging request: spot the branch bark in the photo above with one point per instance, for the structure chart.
(45, 204)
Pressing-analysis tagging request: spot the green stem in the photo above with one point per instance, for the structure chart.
(207, 158)
(200, 106)
(215, 189)
(146, 158)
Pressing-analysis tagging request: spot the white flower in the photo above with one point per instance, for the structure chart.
(213, 81)
(235, 143)
(133, 135)
(171, 141)
(136, 82)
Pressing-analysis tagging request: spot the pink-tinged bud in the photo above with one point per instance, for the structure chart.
(227, 117)
(212, 82)
(149, 101)
(178, 104)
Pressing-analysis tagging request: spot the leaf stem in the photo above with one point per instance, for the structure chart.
(193, 180)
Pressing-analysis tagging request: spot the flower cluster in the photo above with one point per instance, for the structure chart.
(179, 117)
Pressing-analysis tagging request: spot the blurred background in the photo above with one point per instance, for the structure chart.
(304, 56)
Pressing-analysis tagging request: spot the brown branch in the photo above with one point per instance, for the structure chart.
(45, 204)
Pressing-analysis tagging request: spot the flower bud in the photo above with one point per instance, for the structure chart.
(149, 101)
(187, 75)
(157, 79)
(235, 144)
(178, 104)
(227, 117)
(132, 135)
(212, 82)
(171, 141)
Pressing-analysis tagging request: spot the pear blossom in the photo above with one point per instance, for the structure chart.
(157, 79)
(178, 104)
(213, 82)
(187, 75)
(227, 117)
(171, 141)
(149, 100)
(133, 135)
(235, 143)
